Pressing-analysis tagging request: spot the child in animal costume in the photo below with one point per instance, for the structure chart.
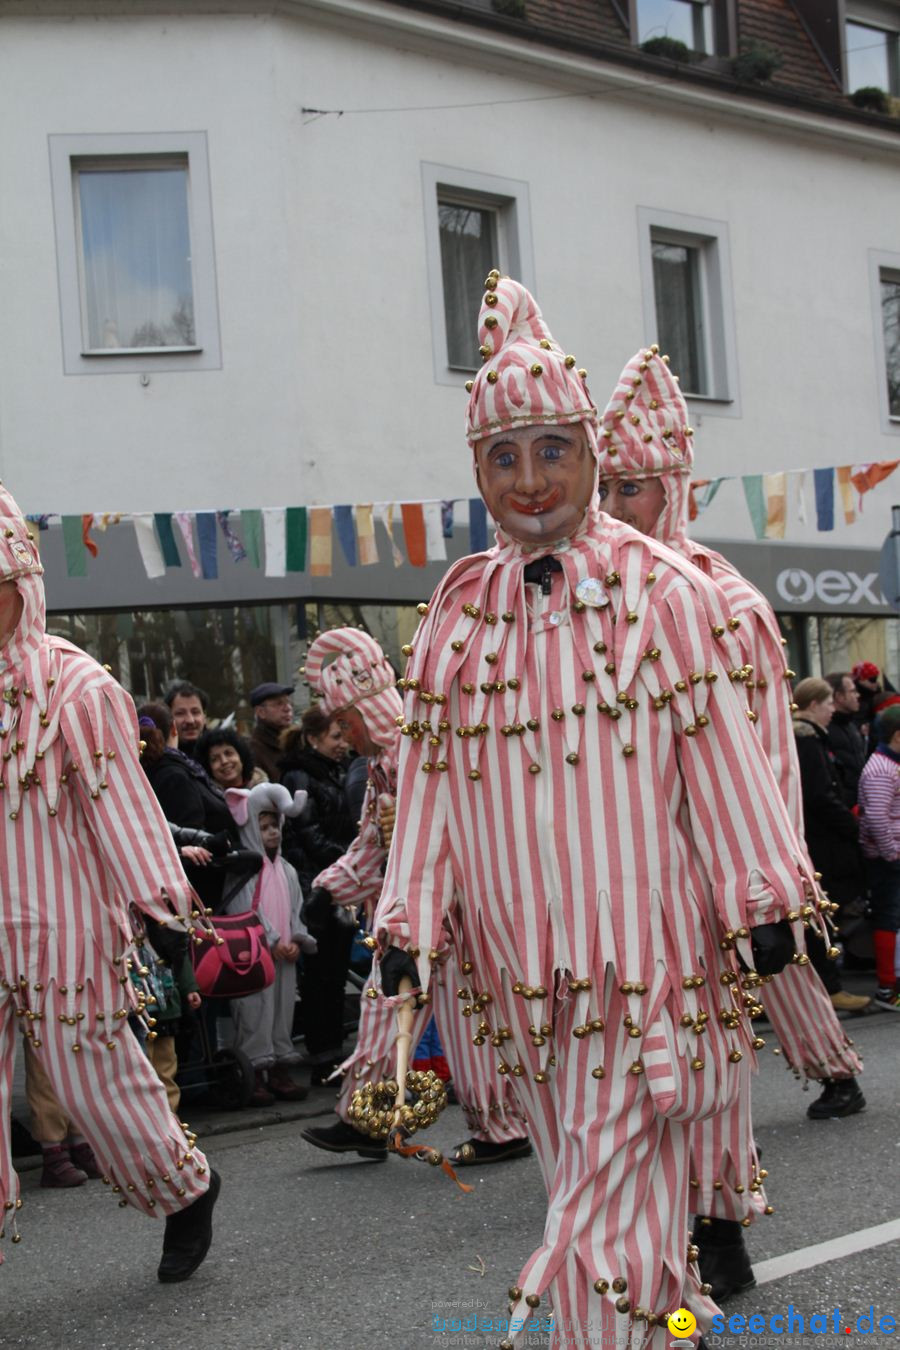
(83, 835)
(594, 823)
(264, 1021)
(645, 469)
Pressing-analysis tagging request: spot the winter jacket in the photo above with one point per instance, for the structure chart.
(846, 743)
(265, 742)
(188, 797)
(831, 829)
(326, 829)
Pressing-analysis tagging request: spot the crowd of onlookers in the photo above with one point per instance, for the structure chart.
(847, 729)
(249, 844)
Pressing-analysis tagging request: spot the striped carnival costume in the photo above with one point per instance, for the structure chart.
(598, 829)
(659, 449)
(348, 669)
(83, 837)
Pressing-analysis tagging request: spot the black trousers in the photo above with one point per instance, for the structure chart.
(322, 981)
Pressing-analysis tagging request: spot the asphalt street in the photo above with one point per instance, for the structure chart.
(315, 1251)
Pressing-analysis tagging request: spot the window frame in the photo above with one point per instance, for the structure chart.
(69, 153)
(724, 28)
(509, 198)
(893, 54)
(717, 299)
(879, 264)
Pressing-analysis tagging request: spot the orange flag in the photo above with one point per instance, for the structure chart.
(414, 530)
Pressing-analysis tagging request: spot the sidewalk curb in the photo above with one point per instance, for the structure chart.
(232, 1123)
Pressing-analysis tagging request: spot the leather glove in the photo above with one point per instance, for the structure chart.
(773, 947)
(395, 964)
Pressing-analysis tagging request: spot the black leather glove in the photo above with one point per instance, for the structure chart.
(395, 964)
(773, 947)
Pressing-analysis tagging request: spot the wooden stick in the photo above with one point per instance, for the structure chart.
(405, 1018)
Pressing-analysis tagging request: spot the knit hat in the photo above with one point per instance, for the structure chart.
(527, 379)
(865, 670)
(359, 675)
(644, 433)
(18, 556)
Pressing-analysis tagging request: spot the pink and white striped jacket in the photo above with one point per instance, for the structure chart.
(82, 832)
(597, 796)
(879, 808)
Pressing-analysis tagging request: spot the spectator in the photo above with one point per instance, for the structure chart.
(879, 800)
(187, 704)
(314, 760)
(274, 710)
(831, 829)
(871, 688)
(67, 1156)
(184, 792)
(228, 759)
(264, 1021)
(845, 740)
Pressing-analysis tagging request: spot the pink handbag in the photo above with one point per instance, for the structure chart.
(240, 965)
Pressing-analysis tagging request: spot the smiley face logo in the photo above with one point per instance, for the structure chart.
(682, 1323)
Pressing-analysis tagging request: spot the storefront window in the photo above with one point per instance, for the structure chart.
(228, 650)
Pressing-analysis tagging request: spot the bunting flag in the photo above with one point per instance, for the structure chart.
(273, 534)
(756, 503)
(823, 485)
(385, 512)
(148, 546)
(414, 532)
(108, 518)
(846, 490)
(251, 525)
(73, 542)
(478, 532)
(320, 541)
(435, 540)
(346, 532)
(171, 556)
(800, 496)
(702, 492)
(42, 522)
(185, 522)
(865, 477)
(87, 522)
(775, 490)
(447, 510)
(296, 532)
(206, 535)
(234, 545)
(365, 536)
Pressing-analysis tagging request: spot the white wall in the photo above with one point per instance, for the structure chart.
(327, 390)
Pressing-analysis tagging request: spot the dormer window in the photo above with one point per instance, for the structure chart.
(687, 21)
(873, 57)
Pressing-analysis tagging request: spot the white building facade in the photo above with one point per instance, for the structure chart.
(242, 250)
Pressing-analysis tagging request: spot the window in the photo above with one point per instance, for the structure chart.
(687, 21)
(473, 222)
(134, 246)
(884, 280)
(873, 58)
(890, 323)
(687, 302)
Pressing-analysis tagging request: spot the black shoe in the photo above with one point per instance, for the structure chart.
(840, 1097)
(475, 1152)
(188, 1236)
(343, 1138)
(724, 1261)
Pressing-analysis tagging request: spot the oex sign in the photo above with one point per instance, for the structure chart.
(796, 586)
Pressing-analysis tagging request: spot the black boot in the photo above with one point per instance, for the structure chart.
(343, 1138)
(188, 1236)
(724, 1260)
(840, 1097)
